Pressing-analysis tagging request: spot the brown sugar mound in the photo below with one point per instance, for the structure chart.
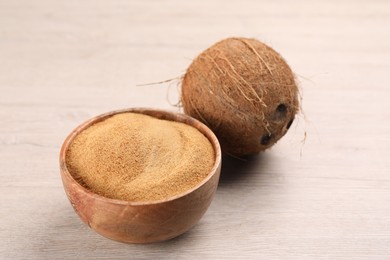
(140, 158)
(244, 91)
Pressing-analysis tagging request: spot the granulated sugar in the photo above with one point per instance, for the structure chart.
(136, 157)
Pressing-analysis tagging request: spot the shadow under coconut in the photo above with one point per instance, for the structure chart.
(238, 169)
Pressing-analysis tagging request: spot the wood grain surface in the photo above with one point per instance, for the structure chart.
(326, 196)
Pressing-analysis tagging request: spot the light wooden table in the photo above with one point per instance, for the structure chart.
(63, 62)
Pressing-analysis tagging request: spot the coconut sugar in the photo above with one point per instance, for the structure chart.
(139, 158)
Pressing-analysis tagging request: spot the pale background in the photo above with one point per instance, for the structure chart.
(63, 62)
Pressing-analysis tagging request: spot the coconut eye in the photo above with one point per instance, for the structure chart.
(281, 111)
(266, 139)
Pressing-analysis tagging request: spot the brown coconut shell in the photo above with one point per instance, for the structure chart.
(244, 91)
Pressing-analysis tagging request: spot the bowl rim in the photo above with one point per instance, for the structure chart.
(164, 115)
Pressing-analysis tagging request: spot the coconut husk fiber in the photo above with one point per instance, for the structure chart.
(244, 91)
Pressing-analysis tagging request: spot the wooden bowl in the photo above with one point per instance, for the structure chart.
(142, 222)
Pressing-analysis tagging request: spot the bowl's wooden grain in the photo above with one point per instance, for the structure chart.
(133, 222)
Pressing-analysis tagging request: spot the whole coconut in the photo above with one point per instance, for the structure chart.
(244, 91)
